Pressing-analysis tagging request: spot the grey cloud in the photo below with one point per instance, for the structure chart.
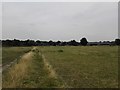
(60, 21)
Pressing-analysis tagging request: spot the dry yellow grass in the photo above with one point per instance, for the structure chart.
(18, 72)
(51, 71)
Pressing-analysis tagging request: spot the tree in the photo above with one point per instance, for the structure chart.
(117, 41)
(38, 42)
(58, 43)
(73, 42)
(16, 42)
(51, 43)
(83, 41)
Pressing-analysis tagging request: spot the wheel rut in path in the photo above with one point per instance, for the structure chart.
(52, 72)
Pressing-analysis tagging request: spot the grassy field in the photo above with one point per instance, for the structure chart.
(11, 53)
(0, 67)
(0, 55)
(91, 66)
(64, 66)
(29, 73)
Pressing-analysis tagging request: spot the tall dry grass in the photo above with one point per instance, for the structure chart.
(13, 78)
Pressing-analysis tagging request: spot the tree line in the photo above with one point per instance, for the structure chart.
(29, 42)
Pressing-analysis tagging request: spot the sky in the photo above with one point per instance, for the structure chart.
(97, 21)
(60, 0)
(0, 20)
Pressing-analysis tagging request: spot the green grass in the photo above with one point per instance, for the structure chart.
(85, 67)
(0, 67)
(38, 76)
(0, 55)
(75, 66)
(29, 72)
(11, 53)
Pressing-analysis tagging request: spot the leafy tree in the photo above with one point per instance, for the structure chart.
(117, 41)
(58, 43)
(38, 42)
(73, 42)
(16, 42)
(51, 42)
(83, 41)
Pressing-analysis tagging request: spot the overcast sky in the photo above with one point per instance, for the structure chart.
(60, 20)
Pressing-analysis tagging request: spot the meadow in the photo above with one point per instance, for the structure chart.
(91, 66)
(0, 67)
(9, 54)
(0, 55)
(64, 67)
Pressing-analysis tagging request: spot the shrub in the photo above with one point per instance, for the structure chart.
(60, 50)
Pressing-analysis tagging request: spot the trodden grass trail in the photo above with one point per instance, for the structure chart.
(12, 78)
(31, 72)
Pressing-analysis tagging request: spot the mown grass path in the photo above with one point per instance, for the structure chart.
(52, 72)
(32, 71)
(40, 76)
(12, 78)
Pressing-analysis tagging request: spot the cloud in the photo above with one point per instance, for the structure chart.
(60, 21)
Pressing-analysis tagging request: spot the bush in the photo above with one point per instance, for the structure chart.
(60, 50)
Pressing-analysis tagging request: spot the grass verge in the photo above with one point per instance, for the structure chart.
(14, 76)
(9, 54)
